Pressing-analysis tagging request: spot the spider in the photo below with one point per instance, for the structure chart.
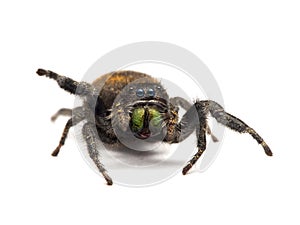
(138, 105)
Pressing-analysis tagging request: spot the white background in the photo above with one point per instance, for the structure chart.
(252, 48)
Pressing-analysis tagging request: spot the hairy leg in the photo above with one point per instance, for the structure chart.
(61, 112)
(77, 116)
(89, 135)
(81, 89)
(235, 124)
(186, 105)
(196, 116)
(68, 84)
(178, 101)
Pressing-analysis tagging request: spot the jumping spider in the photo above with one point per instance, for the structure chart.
(138, 105)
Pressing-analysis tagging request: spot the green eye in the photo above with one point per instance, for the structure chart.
(155, 117)
(138, 119)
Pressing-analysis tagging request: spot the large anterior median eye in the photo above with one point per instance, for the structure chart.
(137, 119)
(140, 92)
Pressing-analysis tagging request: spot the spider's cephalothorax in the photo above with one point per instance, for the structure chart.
(128, 104)
(134, 104)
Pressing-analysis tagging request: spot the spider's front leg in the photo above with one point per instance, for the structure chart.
(235, 124)
(197, 115)
(179, 101)
(194, 118)
(89, 134)
(68, 84)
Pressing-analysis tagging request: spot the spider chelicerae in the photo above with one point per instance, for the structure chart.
(138, 105)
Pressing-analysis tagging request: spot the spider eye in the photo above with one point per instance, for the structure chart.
(151, 92)
(140, 92)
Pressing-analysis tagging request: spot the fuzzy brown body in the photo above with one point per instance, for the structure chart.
(118, 92)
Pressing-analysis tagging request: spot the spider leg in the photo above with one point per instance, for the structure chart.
(196, 117)
(61, 112)
(82, 89)
(77, 116)
(235, 124)
(178, 101)
(186, 105)
(90, 135)
(68, 84)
